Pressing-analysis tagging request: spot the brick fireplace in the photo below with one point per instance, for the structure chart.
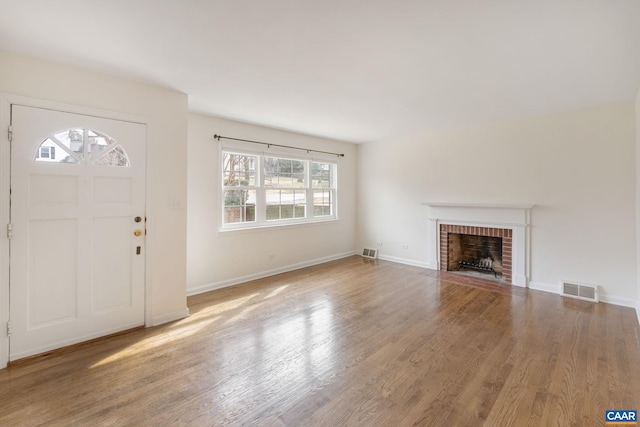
(501, 257)
(510, 223)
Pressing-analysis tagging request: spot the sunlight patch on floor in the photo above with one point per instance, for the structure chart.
(159, 340)
(215, 309)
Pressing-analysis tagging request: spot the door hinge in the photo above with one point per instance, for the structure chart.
(8, 328)
(10, 133)
(9, 231)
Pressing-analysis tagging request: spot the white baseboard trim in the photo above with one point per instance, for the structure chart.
(539, 286)
(169, 317)
(609, 299)
(404, 261)
(638, 310)
(263, 274)
(65, 343)
(520, 281)
(624, 302)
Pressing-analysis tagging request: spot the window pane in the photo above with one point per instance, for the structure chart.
(322, 205)
(284, 173)
(76, 145)
(73, 139)
(321, 175)
(115, 157)
(47, 152)
(239, 206)
(97, 142)
(238, 170)
(283, 204)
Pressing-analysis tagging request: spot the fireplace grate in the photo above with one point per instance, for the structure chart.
(484, 265)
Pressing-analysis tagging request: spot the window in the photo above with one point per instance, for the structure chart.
(82, 146)
(286, 194)
(261, 190)
(239, 182)
(46, 152)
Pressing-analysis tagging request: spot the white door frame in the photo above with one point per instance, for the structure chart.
(6, 100)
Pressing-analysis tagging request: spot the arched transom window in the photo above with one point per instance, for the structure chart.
(82, 146)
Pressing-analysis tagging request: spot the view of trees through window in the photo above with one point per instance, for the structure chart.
(239, 178)
(266, 188)
(285, 183)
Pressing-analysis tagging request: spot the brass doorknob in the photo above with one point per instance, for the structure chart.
(137, 233)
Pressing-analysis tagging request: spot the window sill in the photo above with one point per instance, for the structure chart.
(272, 226)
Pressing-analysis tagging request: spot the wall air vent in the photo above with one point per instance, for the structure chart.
(370, 253)
(580, 291)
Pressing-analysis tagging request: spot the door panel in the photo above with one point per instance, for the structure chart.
(112, 190)
(77, 183)
(53, 191)
(112, 286)
(53, 275)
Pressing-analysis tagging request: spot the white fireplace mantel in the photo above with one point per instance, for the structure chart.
(479, 205)
(516, 217)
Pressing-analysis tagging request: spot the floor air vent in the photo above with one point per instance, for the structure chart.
(370, 253)
(576, 290)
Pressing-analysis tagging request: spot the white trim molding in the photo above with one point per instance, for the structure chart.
(603, 298)
(545, 287)
(404, 261)
(516, 217)
(169, 317)
(5, 162)
(238, 280)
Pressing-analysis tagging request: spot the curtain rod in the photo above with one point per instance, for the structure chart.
(268, 144)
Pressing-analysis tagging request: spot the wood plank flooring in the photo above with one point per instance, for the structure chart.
(348, 343)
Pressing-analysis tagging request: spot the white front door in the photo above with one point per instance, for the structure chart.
(78, 228)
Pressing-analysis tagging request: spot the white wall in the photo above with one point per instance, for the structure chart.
(578, 167)
(637, 111)
(166, 113)
(216, 259)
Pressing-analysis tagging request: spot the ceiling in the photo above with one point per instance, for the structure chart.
(353, 70)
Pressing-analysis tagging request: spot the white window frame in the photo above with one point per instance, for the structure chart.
(261, 220)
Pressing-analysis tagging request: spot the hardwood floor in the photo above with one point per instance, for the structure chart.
(351, 342)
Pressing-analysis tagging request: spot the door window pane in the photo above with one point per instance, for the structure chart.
(82, 146)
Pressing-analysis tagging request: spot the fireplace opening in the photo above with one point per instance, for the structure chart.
(477, 251)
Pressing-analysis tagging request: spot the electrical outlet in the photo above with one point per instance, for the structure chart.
(405, 246)
(379, 243)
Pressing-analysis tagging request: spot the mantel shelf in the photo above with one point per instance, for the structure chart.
(478, 205)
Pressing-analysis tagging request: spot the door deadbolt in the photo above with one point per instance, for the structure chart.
(137, 233)
(137, 219)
